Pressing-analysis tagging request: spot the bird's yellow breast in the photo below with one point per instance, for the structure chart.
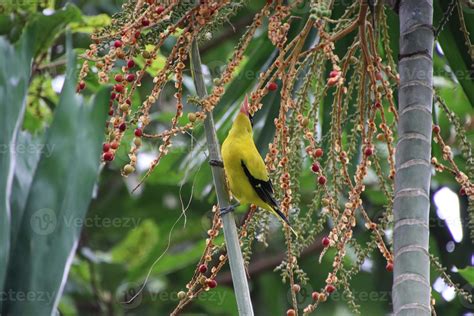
(232, 155)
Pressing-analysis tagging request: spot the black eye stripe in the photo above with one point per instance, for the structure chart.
(251, 119)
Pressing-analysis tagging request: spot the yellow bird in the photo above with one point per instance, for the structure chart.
(244, 167)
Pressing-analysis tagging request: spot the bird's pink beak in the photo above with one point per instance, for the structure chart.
(245, 106)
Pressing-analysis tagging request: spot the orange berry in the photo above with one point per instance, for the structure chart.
(332, 81)
(114, 145)
(318, 152)
(290, 312)
(296, 288)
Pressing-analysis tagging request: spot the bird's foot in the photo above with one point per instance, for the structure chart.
(228, 209)
(216, 163)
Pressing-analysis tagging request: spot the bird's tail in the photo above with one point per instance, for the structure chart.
(282, 216)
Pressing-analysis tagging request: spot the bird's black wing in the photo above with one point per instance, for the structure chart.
(264, 189)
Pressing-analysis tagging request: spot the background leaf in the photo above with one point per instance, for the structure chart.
(454, 46)
(468, 274)
(58, 200)
(15, 68)
(28, 150)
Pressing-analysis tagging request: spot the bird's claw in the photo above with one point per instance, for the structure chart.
(228, 209)
(216, 163)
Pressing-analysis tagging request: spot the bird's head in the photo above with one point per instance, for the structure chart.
(244, 120)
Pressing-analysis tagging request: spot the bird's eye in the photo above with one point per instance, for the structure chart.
(251, 119)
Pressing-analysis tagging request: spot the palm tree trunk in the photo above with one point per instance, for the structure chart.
(411, 277)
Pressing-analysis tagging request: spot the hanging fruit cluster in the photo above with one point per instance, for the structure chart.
(115, 52)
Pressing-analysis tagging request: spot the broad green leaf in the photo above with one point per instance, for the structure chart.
(45, 28)
(89, 24)
(137, 244)
(42, 28)
(41, 101)
(157, 64)
(28, 149)
(15, 68)
(453, 43)
(111, 275)
(167, 166)
(218, 301)
(468, 274)
(261, 54)
(58, 199)
(6, 24)
(8, 6)
(174, 260)
(67, 306)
